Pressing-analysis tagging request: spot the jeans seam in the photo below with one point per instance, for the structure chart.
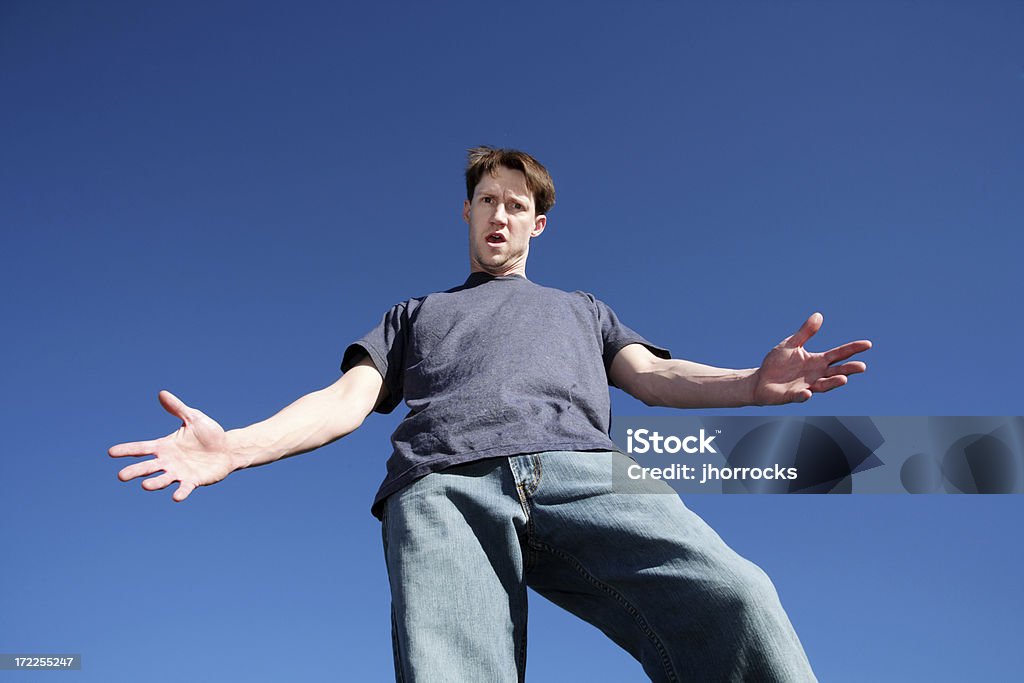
(618, 597)
(521, 646)
(399, 674)
(538, 471)
(530, 558)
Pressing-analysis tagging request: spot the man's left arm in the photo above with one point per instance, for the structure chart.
(789, 373)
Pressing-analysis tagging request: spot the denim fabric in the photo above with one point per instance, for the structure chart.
(463, 544)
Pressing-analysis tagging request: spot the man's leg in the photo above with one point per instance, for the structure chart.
(652, 575)
(451, 542)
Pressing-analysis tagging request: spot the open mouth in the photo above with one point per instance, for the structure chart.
(496, 238)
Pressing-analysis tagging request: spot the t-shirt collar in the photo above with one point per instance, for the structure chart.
(480, 277)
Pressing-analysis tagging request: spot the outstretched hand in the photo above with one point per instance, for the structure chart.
(194, 455)
(792, 373)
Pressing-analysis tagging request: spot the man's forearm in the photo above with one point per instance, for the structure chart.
(685, 384)
(312, 421)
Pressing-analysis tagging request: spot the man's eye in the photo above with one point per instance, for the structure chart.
(518, 207)
(486, 200)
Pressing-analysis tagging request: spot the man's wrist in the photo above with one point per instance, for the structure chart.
(750, 387)
(237, 452)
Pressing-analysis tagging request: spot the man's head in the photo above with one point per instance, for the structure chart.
(508, 194)
(486, 160)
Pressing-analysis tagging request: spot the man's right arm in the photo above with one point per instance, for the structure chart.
(201, 453)
(315, 420)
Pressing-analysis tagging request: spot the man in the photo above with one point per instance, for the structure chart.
(501, 476)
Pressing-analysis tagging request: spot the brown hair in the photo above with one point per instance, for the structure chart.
(488, 159)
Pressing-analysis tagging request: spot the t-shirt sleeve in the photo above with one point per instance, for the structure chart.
(385, 344)
(616, 336)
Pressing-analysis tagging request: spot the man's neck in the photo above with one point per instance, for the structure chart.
(520, 272)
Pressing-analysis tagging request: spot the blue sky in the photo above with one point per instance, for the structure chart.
(216, 198)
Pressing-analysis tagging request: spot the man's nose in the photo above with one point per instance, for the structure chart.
(500, 216)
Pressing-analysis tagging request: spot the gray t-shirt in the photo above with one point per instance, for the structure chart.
(497, 366)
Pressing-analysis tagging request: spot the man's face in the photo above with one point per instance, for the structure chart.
(502, 220)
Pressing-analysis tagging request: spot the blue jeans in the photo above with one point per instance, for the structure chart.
(463, 544)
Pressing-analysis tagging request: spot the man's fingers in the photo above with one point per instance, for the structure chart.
(140, 469)
(157, 483)
(174, 405)
(850, 368)
(182, 492)
(829, 383)
(846, 350)
(133, 448)
(806, 331)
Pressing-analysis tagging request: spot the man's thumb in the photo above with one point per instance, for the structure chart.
(174, 405)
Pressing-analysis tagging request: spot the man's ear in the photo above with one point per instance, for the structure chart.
(465, 210)
(539, 223)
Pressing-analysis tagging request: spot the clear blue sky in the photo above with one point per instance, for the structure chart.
(216, 198)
